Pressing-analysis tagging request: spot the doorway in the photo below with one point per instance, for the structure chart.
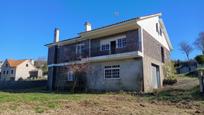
(155, 76)
(113, 46)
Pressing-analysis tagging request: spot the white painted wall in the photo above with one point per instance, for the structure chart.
(22, 71)
(9, 75)
(149, 25)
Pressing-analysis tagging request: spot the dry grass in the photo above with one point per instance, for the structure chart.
(169, 101)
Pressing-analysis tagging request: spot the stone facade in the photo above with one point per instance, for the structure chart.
(132, 44)
(67, 53)
(152, 55)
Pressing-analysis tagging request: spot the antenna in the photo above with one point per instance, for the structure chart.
(116, 15)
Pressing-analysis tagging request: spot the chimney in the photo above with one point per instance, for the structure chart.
(56, 36)
(87, 26)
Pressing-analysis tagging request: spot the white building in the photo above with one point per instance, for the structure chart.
(18, 69)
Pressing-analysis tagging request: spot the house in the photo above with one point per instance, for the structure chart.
(17, 69)
(1, 62)
(127, 55)
(185, 66)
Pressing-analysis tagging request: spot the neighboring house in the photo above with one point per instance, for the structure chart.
(186, 66)
(128, 55)
(17, 69)
(1, 62)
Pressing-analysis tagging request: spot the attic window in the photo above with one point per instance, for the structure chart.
(26, 65)
(157, 27)
(6, 65)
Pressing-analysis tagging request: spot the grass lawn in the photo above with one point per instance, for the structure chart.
(182, 98)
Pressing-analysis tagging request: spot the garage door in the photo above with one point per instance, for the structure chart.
(155, 76)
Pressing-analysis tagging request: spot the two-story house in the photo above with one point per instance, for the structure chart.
(17, 69)
(1, 63)
(127, 55)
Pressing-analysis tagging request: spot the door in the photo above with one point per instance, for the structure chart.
(113, 46)
(155, 76)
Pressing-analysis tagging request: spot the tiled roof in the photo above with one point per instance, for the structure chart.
(14, 63)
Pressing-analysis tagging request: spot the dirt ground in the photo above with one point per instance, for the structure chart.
(180, 99)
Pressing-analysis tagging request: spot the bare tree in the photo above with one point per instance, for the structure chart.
(199, 42)
(186, 49)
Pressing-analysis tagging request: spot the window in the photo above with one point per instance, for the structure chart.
(7, 72)
(4, 72)
(70, 76)
(157, 27)
(160, 32)
(11, 71)
(79, 49)
(26, 65)
(162, 54)
(122, 42)
(105, 47)
(112, 71)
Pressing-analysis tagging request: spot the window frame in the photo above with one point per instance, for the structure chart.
(105, 48)
(160, 32)
(162, 55)
(79, 48)
(68, 76)
(122, 43)
(111, 68)
(12, 72)
(157, 27)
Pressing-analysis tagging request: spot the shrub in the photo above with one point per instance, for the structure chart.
(169, 73)
(169, 81)
(200, 59)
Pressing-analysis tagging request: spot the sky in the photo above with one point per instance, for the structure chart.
(27, 25)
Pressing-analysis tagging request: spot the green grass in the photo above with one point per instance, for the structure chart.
(40, 101)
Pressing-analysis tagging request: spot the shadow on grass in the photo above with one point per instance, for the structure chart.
(46, 91)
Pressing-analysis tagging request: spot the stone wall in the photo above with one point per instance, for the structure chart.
(132, 44)
(152, 55)
(22, 85)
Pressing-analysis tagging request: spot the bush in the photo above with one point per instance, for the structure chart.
(169, 81)
(200, 59)
(169, 73)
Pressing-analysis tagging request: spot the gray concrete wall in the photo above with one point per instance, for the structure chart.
(147, 64)
(130, 76)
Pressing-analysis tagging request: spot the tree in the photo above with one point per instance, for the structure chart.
(186, 49)
(199, 42)
(41, 63)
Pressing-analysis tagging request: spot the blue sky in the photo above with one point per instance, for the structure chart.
(27, 25)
